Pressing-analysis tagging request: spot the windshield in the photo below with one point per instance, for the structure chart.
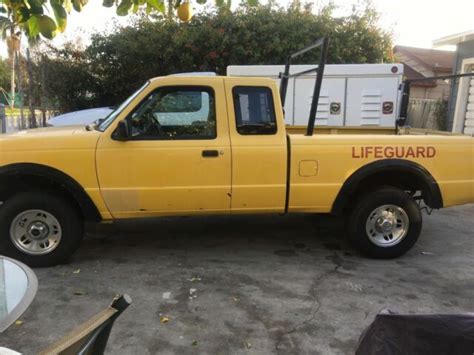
(111, 117)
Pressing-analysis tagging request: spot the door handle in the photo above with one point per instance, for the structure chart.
(210, 153)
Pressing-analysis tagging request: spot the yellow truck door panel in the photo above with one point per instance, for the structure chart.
(186, 170)
(259, 155)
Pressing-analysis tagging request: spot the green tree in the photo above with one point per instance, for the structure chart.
(4, 75)
(113, 65)
(69, 79)
(125, 59)
(33, 16)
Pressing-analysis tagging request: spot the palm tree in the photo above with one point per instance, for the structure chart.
(13, 38)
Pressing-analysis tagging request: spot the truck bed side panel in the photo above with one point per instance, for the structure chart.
(321, 164)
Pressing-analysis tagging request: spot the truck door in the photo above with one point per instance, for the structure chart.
(259, 148)
(177, 159)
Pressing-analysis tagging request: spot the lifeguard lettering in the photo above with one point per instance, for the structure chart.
(379, 152)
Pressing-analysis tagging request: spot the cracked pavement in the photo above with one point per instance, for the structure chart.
(246, 284)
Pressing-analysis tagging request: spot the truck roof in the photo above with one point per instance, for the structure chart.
(194, 78)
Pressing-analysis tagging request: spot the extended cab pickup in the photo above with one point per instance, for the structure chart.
(193, 145)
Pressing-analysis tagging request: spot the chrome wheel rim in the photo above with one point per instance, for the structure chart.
(387, 225)
(35, 232)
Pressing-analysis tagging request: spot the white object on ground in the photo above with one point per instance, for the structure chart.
(6, 351)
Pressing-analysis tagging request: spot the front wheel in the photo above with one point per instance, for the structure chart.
(39, 228)
(385, 223)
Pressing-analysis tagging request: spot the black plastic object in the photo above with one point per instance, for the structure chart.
(97, 341)
(391, 333)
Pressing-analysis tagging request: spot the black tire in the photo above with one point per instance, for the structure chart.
(70, 221)
(363, 209)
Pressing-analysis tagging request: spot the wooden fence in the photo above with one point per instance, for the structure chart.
(422, 114)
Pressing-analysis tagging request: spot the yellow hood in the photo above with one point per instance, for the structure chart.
(49, 138)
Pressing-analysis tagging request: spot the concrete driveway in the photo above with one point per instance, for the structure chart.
(260, 284)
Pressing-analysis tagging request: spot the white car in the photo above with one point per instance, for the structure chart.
(82, 117)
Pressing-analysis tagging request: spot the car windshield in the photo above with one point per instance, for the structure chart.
(111, 117)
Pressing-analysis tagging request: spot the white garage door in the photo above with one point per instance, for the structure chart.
(469, 118)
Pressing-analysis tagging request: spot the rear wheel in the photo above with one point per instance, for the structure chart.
(385, 223)
(39, 228)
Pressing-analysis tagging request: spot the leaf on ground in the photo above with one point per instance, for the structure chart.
(164, 319)
(194, 343)
(80, 292)
(192, 279)
(76, 271)
(18, 322)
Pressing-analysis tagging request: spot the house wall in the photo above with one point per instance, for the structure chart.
(440, 91)
(464, 50)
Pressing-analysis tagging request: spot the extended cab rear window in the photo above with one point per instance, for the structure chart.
(254, 110)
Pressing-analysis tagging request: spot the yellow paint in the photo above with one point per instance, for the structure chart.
(308, 168)
(258, 162)
(153, 178)
(68, 149)
(158, 177)
(452, 168)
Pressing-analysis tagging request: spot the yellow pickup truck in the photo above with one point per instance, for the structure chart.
(189, 145)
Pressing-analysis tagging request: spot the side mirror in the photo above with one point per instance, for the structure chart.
(121, 132)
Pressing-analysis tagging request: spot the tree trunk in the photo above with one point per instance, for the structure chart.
(30, 90)
(20, 90)
(170, 9)
(12, 83)
(43, 93)
(11, 57)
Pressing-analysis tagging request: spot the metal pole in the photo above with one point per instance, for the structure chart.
(284, 81)
(317, 87)
(3, 118)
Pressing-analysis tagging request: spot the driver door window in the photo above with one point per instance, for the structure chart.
(175, 113)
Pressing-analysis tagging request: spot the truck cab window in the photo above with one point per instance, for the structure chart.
(175, 113)
(254, 110)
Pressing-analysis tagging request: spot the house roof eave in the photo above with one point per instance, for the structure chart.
(454, 39)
